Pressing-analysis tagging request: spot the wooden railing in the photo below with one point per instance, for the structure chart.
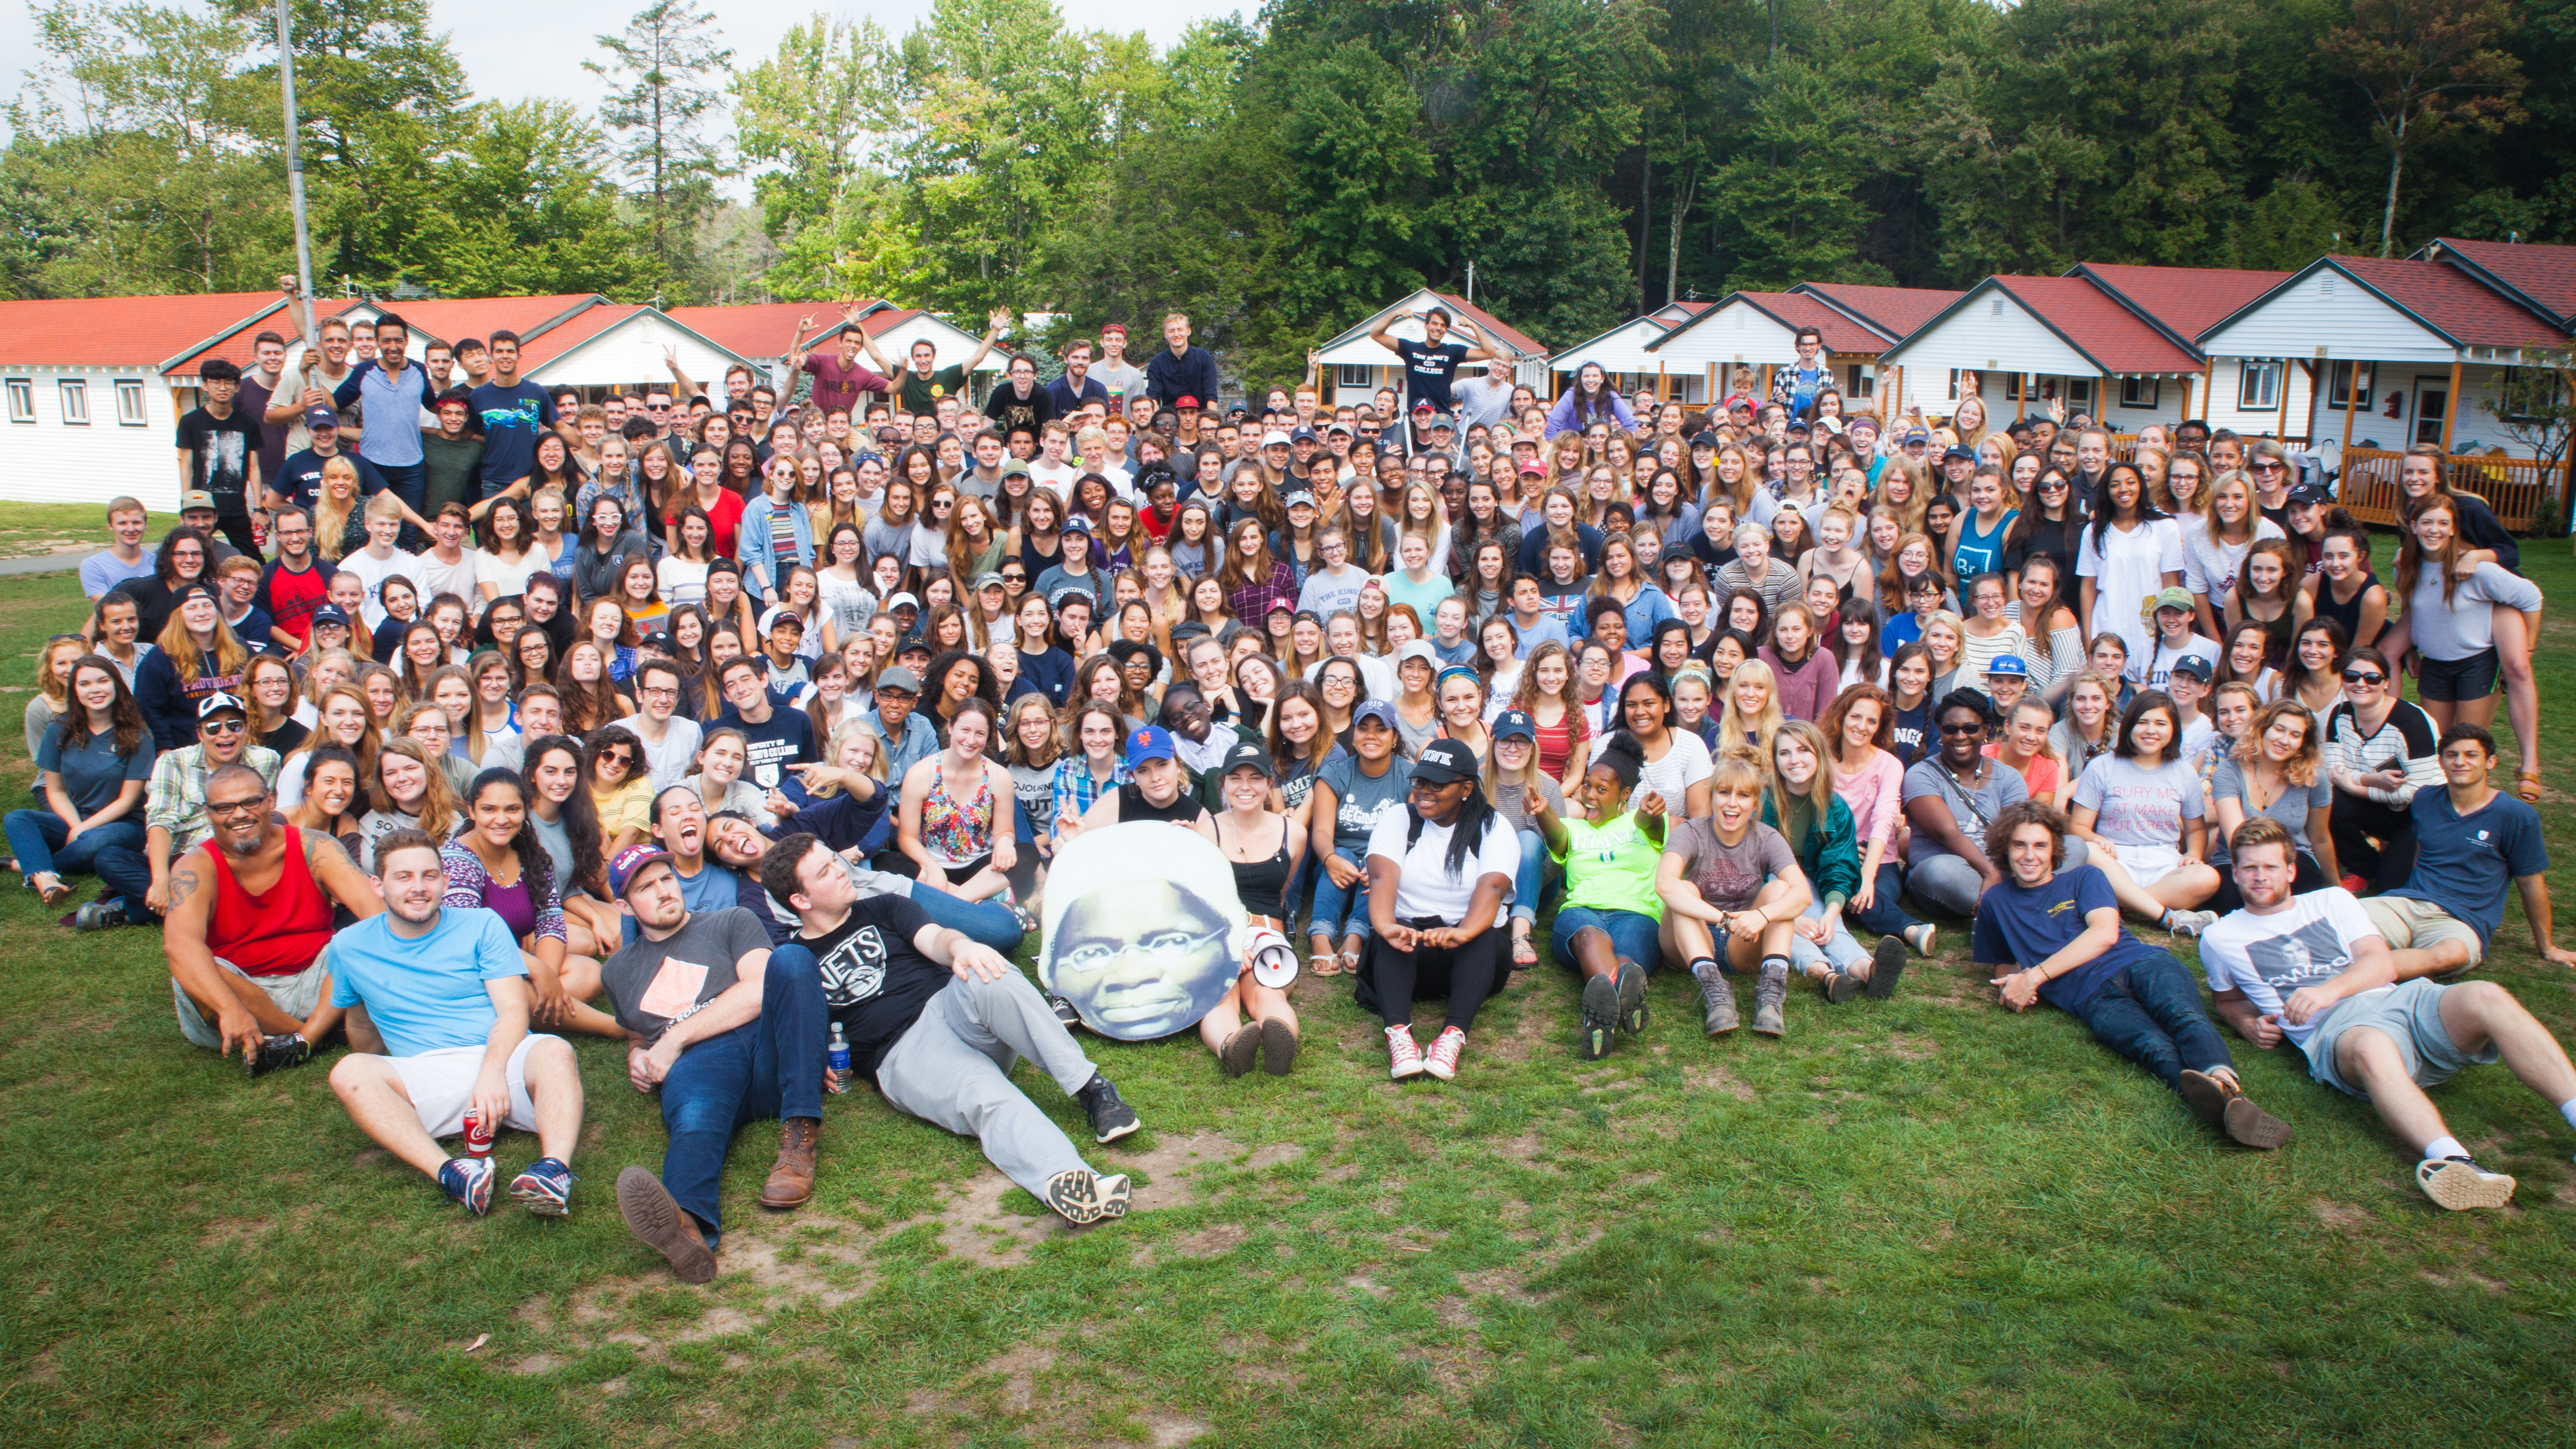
(2520, 490)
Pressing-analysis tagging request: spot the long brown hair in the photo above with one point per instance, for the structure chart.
(125, 715)
(439, 816)
(2410, 551)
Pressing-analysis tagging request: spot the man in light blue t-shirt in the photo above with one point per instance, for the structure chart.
(447, 989)
(124, 561)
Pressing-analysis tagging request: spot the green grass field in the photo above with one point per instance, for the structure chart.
(1925, 1221)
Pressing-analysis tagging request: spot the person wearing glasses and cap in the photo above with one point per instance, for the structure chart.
(1440, 872)
(174, 817)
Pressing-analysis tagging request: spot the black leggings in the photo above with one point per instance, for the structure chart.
(2357, 819)
(1466, 974)
(2311, 877)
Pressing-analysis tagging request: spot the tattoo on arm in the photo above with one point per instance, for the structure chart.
(183, 884)
(321, 850)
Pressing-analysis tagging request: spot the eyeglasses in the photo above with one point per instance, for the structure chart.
(2269, 467)
(1963, 729)
(2363, 676)
(617, 757)
(237, 807)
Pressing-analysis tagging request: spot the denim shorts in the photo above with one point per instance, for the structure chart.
(2409, 1014)
(1632, 934)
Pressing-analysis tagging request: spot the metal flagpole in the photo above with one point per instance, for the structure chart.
(295, 174)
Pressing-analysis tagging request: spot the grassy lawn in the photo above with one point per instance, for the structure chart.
(1925, 1221)
(28, 529)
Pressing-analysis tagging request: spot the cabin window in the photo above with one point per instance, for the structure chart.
(129, 401)
(2258, 385)
(1354, 374)
(75, 402)
(22, 400)
(2141, 392)
(2079, 394)
(1858, 381)
(2341, 384)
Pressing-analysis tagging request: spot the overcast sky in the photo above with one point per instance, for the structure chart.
(512, 51)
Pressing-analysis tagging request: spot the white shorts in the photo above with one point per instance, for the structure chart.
(441, 1086)
(2147, 864)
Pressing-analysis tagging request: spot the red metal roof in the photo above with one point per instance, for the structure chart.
(570, 333)
(2544, 276)
(1894, 311)
(236, 346)
(763, 329)
(447, 319)
(2188, 301)
(2452, 302)
(122, 331)
(1843, 335)
(1528, 346)
(2095, 324)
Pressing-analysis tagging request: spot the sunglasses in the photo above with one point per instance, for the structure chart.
(2361, 676)
(1963, 729)
(617, 757)
(222, 727)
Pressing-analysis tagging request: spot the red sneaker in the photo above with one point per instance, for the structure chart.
(1404, 1054)
(1442, 1061)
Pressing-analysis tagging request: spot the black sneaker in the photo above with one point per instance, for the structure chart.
(1111, 1117)
(1841, 986)
(1064, 1012)
(1886, 968)
(1600, 1018)
(276, 1054)
(1632, 996)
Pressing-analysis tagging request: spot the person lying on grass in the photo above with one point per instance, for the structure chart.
(2316, 971)
(2059, 931)
(1732, 891)
(725, 1034)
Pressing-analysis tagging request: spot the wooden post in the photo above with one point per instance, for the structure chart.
(2209, 387)
(2450, 412)
(1765, 397)
(1663, 383)
(2021, 403)
(2351, 403)
(1710, 400)
(2316, 393)
(2186, 392)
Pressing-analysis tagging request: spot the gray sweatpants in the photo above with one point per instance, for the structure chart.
(953, 1069)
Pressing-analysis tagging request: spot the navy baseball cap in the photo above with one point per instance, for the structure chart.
(1515, 724)
(1376, 709)
(1245, 756)
(629, 863)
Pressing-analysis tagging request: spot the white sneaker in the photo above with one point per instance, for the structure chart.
(2457, 1183)
(1404, 1054)
(2190, 923)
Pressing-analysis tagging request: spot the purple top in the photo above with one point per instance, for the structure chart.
(468, 885)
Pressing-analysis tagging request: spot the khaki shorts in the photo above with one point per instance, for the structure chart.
(2410, 924)
(299, 996)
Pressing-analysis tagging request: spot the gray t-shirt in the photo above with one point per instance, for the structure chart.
(95, 774)
(557, 839)
(1361, 800)
(1971, 811)
(1730, 876)
(2139, 806)
(655, 983)
(2227, 782)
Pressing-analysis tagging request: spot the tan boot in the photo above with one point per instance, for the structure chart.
(791, 1180)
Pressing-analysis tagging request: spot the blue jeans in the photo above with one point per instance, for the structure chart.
(1839, 949)
(1885, 916)
(1531, 878)
(1632, 934)
(1341, 910)
(986, 923)
(410, 483)
(772, 1067)
(2150, 1013)
(113, 852)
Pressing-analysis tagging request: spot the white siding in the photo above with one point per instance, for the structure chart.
(49, 461)
(1738, 333)
(1622, 349)
(630, 353)
(2289, 419)
(1977, 336)
(2326, 314)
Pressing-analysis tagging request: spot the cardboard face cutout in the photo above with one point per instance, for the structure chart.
(1142, 929)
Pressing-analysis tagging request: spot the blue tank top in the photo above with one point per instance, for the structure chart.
(1980, 553)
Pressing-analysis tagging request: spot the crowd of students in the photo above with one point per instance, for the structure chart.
(552, 685)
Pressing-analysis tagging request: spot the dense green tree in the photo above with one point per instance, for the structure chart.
(662, 68)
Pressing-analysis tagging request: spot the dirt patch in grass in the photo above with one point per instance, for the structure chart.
(978, 1228)
(1712, 1077)
(1910, 1048)
(2341, 1216)
(2462, 1278)
(247, 1232)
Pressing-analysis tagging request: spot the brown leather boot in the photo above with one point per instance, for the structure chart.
(791, 1180)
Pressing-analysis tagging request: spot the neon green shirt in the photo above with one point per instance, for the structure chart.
(1611, 867)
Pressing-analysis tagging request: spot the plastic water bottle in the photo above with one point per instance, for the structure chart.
(836, 1077)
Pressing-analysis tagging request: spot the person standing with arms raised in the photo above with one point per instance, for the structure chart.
(1430, 365)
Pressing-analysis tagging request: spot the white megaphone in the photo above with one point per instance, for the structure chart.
(1274, 961)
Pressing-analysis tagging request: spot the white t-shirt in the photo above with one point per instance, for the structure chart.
(436, 578)
(2139, 806)
(2270, 957)
(1423, 885)
(374, 570)
(1684, 765)
(508, 579)
(1056, 476)
(2151, 669)
(682, 581)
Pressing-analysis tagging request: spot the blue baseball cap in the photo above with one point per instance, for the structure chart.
(2010, 665)
(1376, 709)
(1153, 742)
(1515, 724)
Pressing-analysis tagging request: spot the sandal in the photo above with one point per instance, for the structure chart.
(1323, 963)
(1349, 963)
(2529, 787)
(53, 895)
(1524, 952)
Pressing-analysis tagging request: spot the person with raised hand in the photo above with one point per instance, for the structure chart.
(1609, 925)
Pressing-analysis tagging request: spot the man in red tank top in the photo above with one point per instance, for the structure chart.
(251, 910)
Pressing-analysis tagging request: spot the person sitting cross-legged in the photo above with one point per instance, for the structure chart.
(936, 1020)
(251, 911)
(2315, 970)
(2057, 927)
(1732, 892)
(2470, 840)
(727, 1034)
(447, 991)
(1439, 874)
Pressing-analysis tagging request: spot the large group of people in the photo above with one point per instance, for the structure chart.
(744, 727)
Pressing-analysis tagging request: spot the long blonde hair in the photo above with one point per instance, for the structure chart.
(1819, 794)
(1731, 735)
(331, 516)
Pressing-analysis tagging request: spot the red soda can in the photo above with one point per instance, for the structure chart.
(478, 1135)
